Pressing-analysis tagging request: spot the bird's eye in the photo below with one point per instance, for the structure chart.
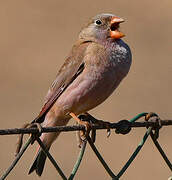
(98, 22)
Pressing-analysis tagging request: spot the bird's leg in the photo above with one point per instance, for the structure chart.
(20, 137)
(84, 123)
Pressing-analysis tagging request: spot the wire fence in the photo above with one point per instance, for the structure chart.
(151, 121)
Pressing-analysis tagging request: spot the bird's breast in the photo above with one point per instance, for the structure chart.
(90, 89)
(102, 74)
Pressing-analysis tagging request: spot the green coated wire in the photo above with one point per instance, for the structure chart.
(135, 152)
(78, 162)
(19, 155)
(138, 117)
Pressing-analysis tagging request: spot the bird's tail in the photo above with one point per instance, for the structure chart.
(39, 162)
(47, 139)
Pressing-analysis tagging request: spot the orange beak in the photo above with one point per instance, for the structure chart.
(114, 26)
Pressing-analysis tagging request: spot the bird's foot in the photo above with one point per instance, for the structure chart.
(86, 117)
(98, 122)
(80, 138)
(82, 135)
(20, 137)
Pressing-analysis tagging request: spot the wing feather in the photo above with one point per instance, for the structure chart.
(70, 70)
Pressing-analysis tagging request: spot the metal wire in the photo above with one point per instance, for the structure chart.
(108, 170)
(161, 151)
(51, 159)
(78, 162)
(123, 127)
(133, 156)
(80, 127)
(19, 155)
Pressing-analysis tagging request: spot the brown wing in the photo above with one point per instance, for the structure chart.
(73, 66)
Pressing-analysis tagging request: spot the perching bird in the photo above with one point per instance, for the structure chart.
(97, 63)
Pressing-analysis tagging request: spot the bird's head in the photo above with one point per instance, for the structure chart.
(102, 27)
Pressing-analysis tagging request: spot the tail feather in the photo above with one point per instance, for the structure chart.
(39, 162)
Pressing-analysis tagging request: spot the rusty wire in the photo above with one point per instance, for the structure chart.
(152, 122)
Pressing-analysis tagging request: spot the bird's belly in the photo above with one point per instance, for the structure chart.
(87, 91)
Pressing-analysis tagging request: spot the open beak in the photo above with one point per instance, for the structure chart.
(114, 28)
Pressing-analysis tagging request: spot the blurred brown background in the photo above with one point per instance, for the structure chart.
(35, 37)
